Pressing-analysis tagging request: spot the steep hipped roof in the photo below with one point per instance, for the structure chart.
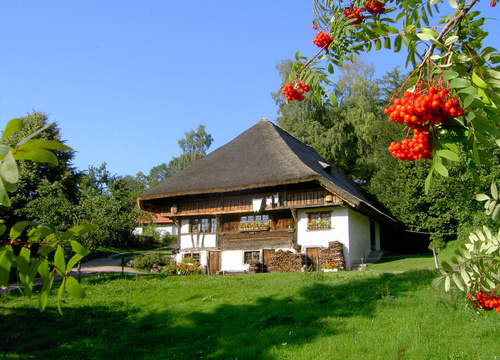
(262, 156)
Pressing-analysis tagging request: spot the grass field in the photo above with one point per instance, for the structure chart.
(388, 311)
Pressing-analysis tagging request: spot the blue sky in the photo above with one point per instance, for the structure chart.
(125, 80)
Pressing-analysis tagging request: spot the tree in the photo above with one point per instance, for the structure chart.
(194, 146)
(59, 173)
(106, 202)
(451, 108)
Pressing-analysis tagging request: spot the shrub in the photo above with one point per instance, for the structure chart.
(150, 261)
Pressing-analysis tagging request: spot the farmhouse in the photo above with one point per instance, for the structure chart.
(263, 192)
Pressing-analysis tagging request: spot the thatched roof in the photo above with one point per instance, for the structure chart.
(262, 156)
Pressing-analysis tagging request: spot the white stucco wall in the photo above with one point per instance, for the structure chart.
(321, 238)
(233, 261)
(359, 232)
(161, 229)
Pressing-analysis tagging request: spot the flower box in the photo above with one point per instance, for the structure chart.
(264, 228)
(318, 227)
(330, 270)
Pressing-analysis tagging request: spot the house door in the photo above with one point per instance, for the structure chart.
(214, 261)
(266, 256)
(312, 255)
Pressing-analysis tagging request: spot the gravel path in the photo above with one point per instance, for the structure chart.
(104, 265)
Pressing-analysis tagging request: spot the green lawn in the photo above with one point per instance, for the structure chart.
(375, 314)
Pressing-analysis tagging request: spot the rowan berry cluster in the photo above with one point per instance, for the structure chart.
(295, 92)
(419, 147)
(322, 40)
(375, 7)
(487, 302)
(424, 108)
(354, 13)
(420, 110)
(493, 3)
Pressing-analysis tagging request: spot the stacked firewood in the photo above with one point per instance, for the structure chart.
(285, 261)
(255, 267)
(333, 253)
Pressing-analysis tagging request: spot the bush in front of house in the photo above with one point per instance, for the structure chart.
(151, 261)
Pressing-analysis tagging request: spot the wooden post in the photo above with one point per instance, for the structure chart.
(435, 257)
(78, 272)
(123, 263)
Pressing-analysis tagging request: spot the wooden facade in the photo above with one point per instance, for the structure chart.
(244, 204)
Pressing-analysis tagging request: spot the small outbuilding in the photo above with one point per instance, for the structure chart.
(266, 192)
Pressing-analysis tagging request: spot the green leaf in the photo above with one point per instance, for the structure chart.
(451, 40)
(423, 36)
(447, 284)
(59, 262)
(449, 74)
(73, 261)
(4, 149)
(8, 169)
(79, 249)
(482, 197)
(458, 281)
(38, 155)
(397, 43)
(6, 258)
(60, 294)
(13, 126)
(428, 181)
(494, 191)
(453, 3)
(458, 83)
(4, 197)
(74, 288)
(44, 294)
(440, 169)
(78, 230)
(495, 213)
(448, 154)
(387, 43)
(478, 81)
(43, 144)
(17, 229)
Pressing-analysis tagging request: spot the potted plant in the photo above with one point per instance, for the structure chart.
(329, 266)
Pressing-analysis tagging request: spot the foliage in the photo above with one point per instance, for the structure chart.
(35, 248)
(53, 174)
(194, 146)
(475, 268)
(451, 106)
(106, 202)
(151, 261)
(453, 58)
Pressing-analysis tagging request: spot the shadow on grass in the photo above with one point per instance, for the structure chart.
(215, 330)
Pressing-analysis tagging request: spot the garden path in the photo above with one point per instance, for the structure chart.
(110, 264)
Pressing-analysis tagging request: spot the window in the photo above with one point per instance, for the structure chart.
(195, 256)
(319, 220)
(254, 222)
(204, 225)
(251, 256)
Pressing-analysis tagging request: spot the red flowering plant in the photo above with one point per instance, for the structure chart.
(330, 265)
(320, 223)
(248, 226)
